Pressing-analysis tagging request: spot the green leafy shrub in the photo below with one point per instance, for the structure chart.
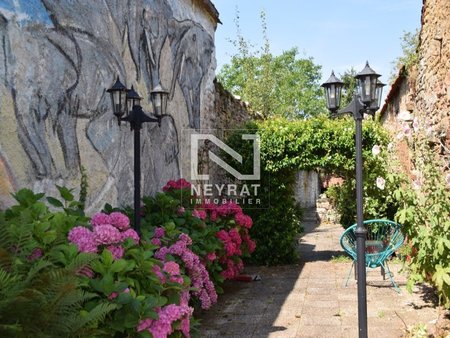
(64, 274)
(40, 291)
(425, 214)
(315, 144)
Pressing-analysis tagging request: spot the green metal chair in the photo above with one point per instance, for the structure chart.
(383, 239)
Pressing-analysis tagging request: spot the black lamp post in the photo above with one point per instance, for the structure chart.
(127, 101)
(366, 100)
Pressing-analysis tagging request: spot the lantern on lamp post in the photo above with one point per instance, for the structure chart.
(127, 102)
(367, 100)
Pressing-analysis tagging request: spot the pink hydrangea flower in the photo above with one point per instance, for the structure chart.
(235, 236)
(181, 211)
(119, 220)
(211, 256)
(213, 216)
(185, 238)
(176, 279)
(78, 232)
(100, 218)
(107, 234)
(158, 272)
(243, 220)
(83, 238)
(35, 254)
(201, 214)
(232, 269)
(159, 232)
(116, 251)
(251, 245)
(113, 295)
(176, 185)
(130, 233)
(156, 241)
(228, 209)
(172, 268)
(196, 270)
(168, 314)
(144, 324)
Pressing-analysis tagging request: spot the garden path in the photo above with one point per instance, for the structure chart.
(309, 300)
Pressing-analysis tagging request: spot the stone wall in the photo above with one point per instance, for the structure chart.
(57, 57)
(230, 114)
(432, 100)
(425, 91)
(397, 111)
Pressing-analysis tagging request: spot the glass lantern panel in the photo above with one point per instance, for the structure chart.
(157, 104)
(130, 105)
(373, 88)
(331, 97)
(379, 92)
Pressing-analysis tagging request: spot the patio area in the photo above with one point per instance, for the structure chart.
(309, 299)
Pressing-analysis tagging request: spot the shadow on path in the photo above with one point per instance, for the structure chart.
(259, 309)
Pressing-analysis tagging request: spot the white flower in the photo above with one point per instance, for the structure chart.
(416, 124)
(390, 146)
(376, 150)
(416, 184)
(406, 130)
(447, 179)
(380, 183)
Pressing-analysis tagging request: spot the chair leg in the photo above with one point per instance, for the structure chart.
(350, 272)
(388, 272)
(383, 272)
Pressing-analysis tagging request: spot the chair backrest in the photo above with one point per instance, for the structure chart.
(383, 239)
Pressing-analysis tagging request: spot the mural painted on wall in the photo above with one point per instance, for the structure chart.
(56, 59)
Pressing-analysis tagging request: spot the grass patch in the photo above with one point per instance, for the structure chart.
(340, 259)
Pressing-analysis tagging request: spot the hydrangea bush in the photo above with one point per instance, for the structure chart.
(219, 232)
(113, 281)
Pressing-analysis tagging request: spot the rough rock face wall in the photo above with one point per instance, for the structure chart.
(57, 57)
(433, 80)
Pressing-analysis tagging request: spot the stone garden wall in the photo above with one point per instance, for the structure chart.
(425, 91)
(57, 57)
(432, 97)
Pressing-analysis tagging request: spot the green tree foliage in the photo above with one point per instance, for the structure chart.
(410, 56)
(283, 85)
(350, 84)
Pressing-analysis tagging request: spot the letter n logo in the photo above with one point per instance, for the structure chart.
(195, 138)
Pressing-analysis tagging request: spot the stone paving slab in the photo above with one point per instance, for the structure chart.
(309, 299)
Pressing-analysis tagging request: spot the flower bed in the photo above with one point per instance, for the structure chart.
(128, 284)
